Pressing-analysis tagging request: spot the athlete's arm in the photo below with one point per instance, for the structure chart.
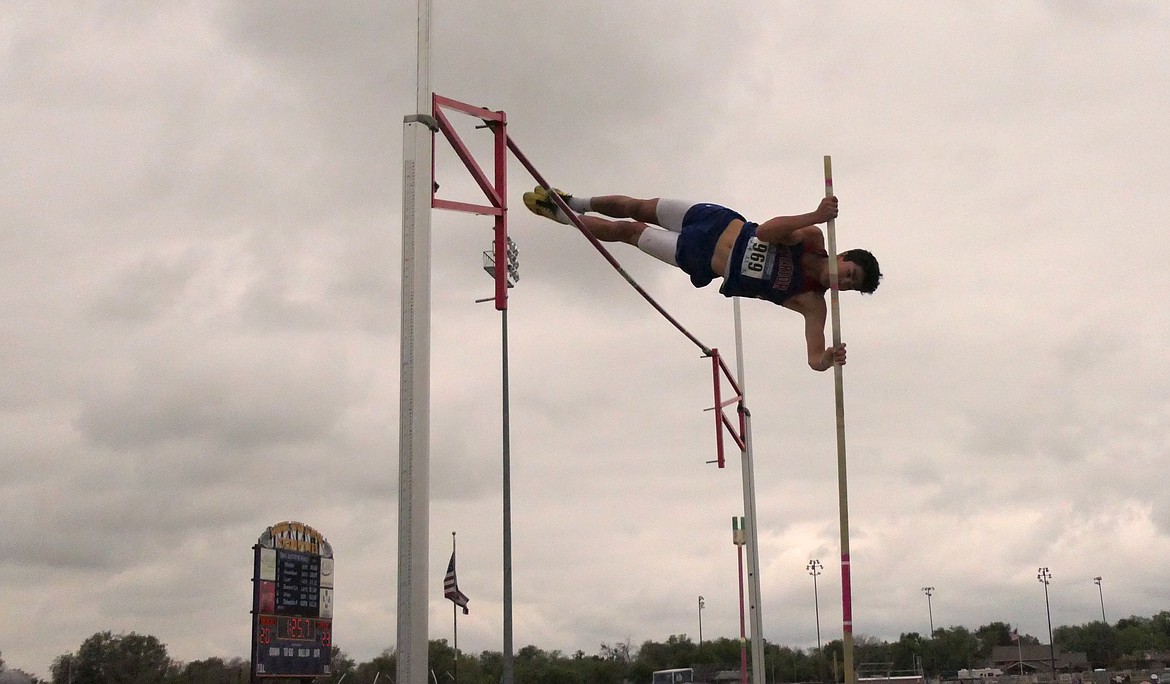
(820, 358)
(811, 236)
(783, 229)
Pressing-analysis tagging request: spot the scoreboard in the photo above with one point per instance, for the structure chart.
(292, 603)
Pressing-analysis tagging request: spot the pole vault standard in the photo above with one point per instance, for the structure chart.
(418, 185)
(495, 190)
(414, 388)
(743, 438)
(842, 480)
(748, 473)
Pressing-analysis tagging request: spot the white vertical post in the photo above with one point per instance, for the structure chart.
(508, 674)
(751, 529)
(414, 380)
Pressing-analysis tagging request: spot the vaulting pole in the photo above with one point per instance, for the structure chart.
(842, 480)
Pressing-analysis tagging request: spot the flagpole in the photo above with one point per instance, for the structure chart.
(455, 619)
(1019, 649)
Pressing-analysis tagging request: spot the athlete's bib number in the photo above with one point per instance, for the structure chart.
(755, 259)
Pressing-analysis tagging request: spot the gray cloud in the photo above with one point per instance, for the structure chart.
(200, 256)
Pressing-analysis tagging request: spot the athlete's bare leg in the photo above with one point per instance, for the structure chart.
(621, 206)
(613, 231)
(615, 206)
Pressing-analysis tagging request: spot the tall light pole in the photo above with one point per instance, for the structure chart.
(1100, 595)
(511, 277)
(1044, 576)
(701, 604)
(814, 568)
(929, 591)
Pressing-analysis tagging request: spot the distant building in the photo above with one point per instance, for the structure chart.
(1153, 660)
(14, 677)
(1036, 658)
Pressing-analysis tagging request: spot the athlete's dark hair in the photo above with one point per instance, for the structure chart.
(867, 262)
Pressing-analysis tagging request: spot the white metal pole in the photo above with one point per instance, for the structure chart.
(739, 375)
(414, 379)
(751, 530)
(508, 674)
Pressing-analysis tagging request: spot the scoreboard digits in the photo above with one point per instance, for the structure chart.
(292, 607)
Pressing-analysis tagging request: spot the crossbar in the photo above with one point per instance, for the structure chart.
(601, 248)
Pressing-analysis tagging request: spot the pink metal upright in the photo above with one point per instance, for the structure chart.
(718, 367)
(496, 190)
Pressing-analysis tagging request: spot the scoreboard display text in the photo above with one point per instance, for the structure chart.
(292, 614)
(293, 646)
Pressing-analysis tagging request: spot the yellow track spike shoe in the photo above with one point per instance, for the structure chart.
(539, 203)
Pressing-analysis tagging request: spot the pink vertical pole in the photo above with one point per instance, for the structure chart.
(737, 536)
(501, 247)
(718, 408)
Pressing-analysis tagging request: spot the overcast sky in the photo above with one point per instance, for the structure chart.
(199, 332)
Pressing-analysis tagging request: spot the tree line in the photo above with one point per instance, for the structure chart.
(107, 658)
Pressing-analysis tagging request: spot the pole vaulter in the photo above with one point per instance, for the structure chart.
(842, 480)
(768, 260)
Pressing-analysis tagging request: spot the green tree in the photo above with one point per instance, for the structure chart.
(213, 671)
(908, 652)
(724, 652)
(381, 668)
(105, 658)
(1160, 624)
(954, 648)
(618, 651)
(781, 663)
(992, 635)
(491, 665)
(1097, 640)
(442, 663)
(1134, 634)
(676, 651)
(871, 652)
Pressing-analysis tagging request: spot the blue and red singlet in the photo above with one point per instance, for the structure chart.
(767, 271)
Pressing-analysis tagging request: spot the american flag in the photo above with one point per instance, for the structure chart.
(1015, 634)
(451, 587)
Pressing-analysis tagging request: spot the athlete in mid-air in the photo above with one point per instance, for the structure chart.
(781, 260)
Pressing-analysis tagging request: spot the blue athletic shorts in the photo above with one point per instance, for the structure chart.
(702, 226)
